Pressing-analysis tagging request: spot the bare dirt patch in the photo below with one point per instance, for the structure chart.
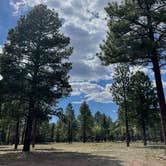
(89, 154)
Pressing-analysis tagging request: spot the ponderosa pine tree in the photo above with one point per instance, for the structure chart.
(86, 121)
(70, 122)
(37, 53)
(105, 127)
(144, 108)
(137, 35)
(120, 89)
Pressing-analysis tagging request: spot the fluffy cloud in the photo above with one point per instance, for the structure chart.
(92, 92)
(84, 23)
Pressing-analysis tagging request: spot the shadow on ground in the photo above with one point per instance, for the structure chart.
(48, 158)
(152, 147)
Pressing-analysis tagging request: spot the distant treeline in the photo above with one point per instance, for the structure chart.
(85, 127)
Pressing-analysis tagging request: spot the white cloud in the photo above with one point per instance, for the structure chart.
(163, 71)
(85, 25)
(164, 84)
(101, 97)
(92, 91)
(77, 102)
(0, 49)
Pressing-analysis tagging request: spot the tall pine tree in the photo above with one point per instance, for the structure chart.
(70, 122)
(86, 121)
(37, 53)
(137, 34)
(144, 107)
(120, 89)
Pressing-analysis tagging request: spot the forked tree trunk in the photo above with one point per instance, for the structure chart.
(161, 97)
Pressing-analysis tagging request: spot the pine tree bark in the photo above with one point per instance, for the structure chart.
(69, 132)
(28, 130)
(16, 142)
(127, 129)
(23, 134)
(8, 135)
(84, 130)
(34, 128)
(161, 97)
(144, 133)
(158, 79)
(126, 120)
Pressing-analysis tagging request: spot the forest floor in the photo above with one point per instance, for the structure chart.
(88, 154)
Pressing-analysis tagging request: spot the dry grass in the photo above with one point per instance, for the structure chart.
(88, 154)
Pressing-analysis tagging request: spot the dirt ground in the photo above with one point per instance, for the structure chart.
(88, 154)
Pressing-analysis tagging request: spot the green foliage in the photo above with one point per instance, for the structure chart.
(86, 121)
(132, 29)
(36, 49)
(35, 62)
(71, 123)
(120, 89)
(120, 86)
(143, 99)
(136, 35)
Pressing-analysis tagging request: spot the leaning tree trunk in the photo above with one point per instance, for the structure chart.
(16, 140)
(161, 97)
(28, 130)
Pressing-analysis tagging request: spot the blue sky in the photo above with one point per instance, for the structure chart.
(84, 23)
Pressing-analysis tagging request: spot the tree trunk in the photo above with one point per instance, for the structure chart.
(34, 132)
(53, 132)
(84, 131)
(144, 133)
(161, 97)
(8, 135)
(16, 142)
(28, 130)
(57, 135)
(23, 134)
(69, 132)
(127, 123)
